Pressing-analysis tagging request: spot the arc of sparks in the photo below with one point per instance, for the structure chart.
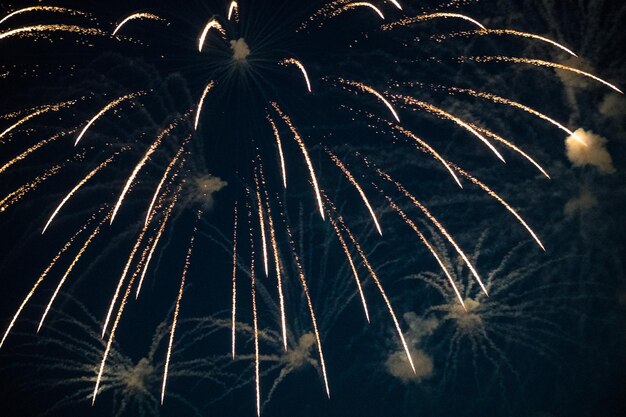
(370, 90)
(212, 24)
(37, 112)
(52, 9)
(437, 224)
(261, 223)
(41, 278)
(511, 32)
(37, 29)
(300, 66)
(495, 196)
(234, 292)
(15, 196)
(445, 115)
(33, 148)
(362, 4)
(430, 249)
(305, 153)
(440, 15)
(206, 90)
(139, 166)
(354, 182)
(547, 64)
(77, 187)
(233, 9)
(281, 155)
(144, 16)
(113, 104)
(177, 309)
(379, 285)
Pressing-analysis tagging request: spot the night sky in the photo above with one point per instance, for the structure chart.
(547, 340)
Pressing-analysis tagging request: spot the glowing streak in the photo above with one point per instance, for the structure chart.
(120, 283)
(67, 272)
(261, 224)
(76, 188)
(445, 115)
(38, 29)
(358, 187)
(380, 288)
(504, 203)
(234, 310)
(421, 18)
(512, 146)
(139, 166)
(397, 4)
(302, 69)
(346, 251)
(502, 100)
(484, 32)
(305, 153)
(18, 194)
(362, 4)
(540, 63)
(280, 150)
(43, 110)
(257, 374)
(168, 212)
(67, 245)
(210, 25)
(438, 225)
(148, 16)
(105, 109)
(430, 248)
(368, 89)
(279, 283)
(426, 148)
(43, 9)
(305, 289)
(177, 310)
(208, 88)
(234, 8)
(33, 148)
(163, 179)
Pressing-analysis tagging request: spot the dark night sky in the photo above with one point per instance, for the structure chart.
(549, 341)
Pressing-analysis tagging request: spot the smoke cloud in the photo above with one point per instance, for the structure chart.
(592, 152)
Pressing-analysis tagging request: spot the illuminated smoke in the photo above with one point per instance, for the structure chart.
(583, 203)
(592, 152)
(240, 49)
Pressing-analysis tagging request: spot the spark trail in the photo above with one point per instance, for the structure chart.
(422, 18)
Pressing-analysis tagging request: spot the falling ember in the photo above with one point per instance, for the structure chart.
(485, 32)
(305, 289)
(206, 90)
(140, 165)
(233, 9)
(429, 247)
(234, 304)
(144, 16)
(438, 225)
(302, 69)
(370, 90)
(37, 30)
(38, 112)
(540, 63)
(379, 285)
(421, 18)
(279, 144)
(445, 115)
(504, 203)
(105, 109)
(212, 24)
(177, 309)
(51, 9)
(305, 153)
(43, 275)
(355, 273)
(77, 187)
(348, 175)
(69, 269)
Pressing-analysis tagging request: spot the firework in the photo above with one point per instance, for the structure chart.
(240, 129)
